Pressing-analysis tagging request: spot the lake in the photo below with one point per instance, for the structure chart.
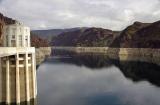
(96, 79)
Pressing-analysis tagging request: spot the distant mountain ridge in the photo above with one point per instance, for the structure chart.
(48, 34)
(137, 35)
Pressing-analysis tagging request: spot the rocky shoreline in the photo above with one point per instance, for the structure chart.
(132, 54)
(120, 51)
(129, 54)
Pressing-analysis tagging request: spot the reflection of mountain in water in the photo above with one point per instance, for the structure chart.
(136, 71)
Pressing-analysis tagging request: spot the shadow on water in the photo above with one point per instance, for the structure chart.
(134, 70)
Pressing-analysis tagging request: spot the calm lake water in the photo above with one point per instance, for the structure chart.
(94, 79)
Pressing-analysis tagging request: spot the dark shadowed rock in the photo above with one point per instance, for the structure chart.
(127, 36)
(148, 37)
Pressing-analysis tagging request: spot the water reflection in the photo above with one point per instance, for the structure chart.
(135, 70)
(80, 79)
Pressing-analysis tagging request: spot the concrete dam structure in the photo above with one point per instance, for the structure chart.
(17, 67)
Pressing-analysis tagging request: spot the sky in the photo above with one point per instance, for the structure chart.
(53, 14)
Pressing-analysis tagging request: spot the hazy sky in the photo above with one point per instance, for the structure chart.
(112, 14)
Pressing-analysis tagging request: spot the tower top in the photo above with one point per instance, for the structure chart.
(16, 35)
(18, 23)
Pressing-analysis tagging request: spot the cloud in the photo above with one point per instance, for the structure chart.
(113, 14)
(1, 1)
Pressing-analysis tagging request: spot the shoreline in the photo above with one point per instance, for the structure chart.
(123, 54)
(121, 51)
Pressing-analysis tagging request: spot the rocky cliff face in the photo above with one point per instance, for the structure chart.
(139, 35)
(86, 37)
(4, 21)
(148, 37)
(126, 37)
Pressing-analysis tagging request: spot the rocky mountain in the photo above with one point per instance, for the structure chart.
(48, 34)
(148, 37)
(85, 37)
(139, 35)
(4, 21)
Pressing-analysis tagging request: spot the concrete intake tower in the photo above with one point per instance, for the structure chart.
(18, 83)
